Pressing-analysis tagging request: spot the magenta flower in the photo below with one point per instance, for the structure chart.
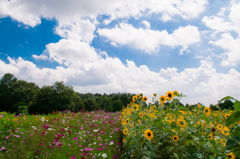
(3, 148)
(88, 149)
(73, 157)
(115, 156)
(100, 148)
(6, 137)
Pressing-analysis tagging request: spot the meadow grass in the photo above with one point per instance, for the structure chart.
(61, 135)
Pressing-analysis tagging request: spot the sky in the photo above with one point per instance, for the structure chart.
(127, 46)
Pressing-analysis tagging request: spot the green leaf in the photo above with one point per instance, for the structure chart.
(175, 155)
(196, 156)
(205, 118)
(182, 108)
(236, 131)
(163, 138)
(191, 149)
(236, 105)
(233, 142)
(225, 98)
(233, 118)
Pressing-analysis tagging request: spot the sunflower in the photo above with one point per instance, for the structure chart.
(138, 96)
(153, 107)
(219, 126)
(134, 98)
(139, 122)
(175, 138)
(125, 131)
(162, 99)
(169, 95)
(145, 98)
(181, 122)
(135, 107)
(207, 111)
(124, 140)
(199, 106)
(214, 114)
(149, 110)
(231, 156)
(226, 116)
(175, 93)
(155, 95)
(148, 134)
(141, 115)
(126, 121)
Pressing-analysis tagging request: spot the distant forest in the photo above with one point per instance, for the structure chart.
(19, 96)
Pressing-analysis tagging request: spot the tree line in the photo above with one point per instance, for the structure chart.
(17, 96)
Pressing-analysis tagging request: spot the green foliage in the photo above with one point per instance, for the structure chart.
(90, 104)
(21, 107)
(228, 104)
(117, 105)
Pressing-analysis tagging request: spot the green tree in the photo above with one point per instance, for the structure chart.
(117, 105)
(227, 104)
(90, 104)
(6, 90)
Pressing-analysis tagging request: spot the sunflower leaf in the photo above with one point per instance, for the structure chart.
(163, 138)
(225, 98)
(191, 149)
(233, 142)
(205, 118)
(175, 155)
(236, 131)
(182, 108)
(236, 105)
(233, 118)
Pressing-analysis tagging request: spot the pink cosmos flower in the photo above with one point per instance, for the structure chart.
(100, 148)
(73, 157)
(115, 156)
(6, 137)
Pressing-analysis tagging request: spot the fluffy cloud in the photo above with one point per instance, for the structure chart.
(150, 40)
(109, 75)
(29, 12)
(226, 24)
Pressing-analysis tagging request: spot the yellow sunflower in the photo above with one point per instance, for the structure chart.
(145, 98)
(134, 98)
(226, 116)
(126, 121)
(125, 131)
(149, 110)
(124, 140)
(139, 122)
(148, 134)
(169, 95)
(138, 96)
(231, 156)
(207, 111)
(141, 115)
(155, 95)
(175, 138)
(153, 107)
(181, 122)
(199, 106)
(162, 99)
(135, 107)
(214, 114)
(175, 93)
(219, 127)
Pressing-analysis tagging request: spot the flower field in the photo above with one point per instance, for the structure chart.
(174, 132)
(140, 130)
(61, 135)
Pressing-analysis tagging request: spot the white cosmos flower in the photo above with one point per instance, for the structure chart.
(111, 143)
(95, 130)
(104, 155)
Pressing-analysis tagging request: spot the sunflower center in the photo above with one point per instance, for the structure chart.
(169, 95)
(229, 156)
(162, 99)
(175, 138)
(181, 122)
(149, 134)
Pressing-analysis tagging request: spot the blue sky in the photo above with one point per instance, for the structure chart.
(125, 46)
